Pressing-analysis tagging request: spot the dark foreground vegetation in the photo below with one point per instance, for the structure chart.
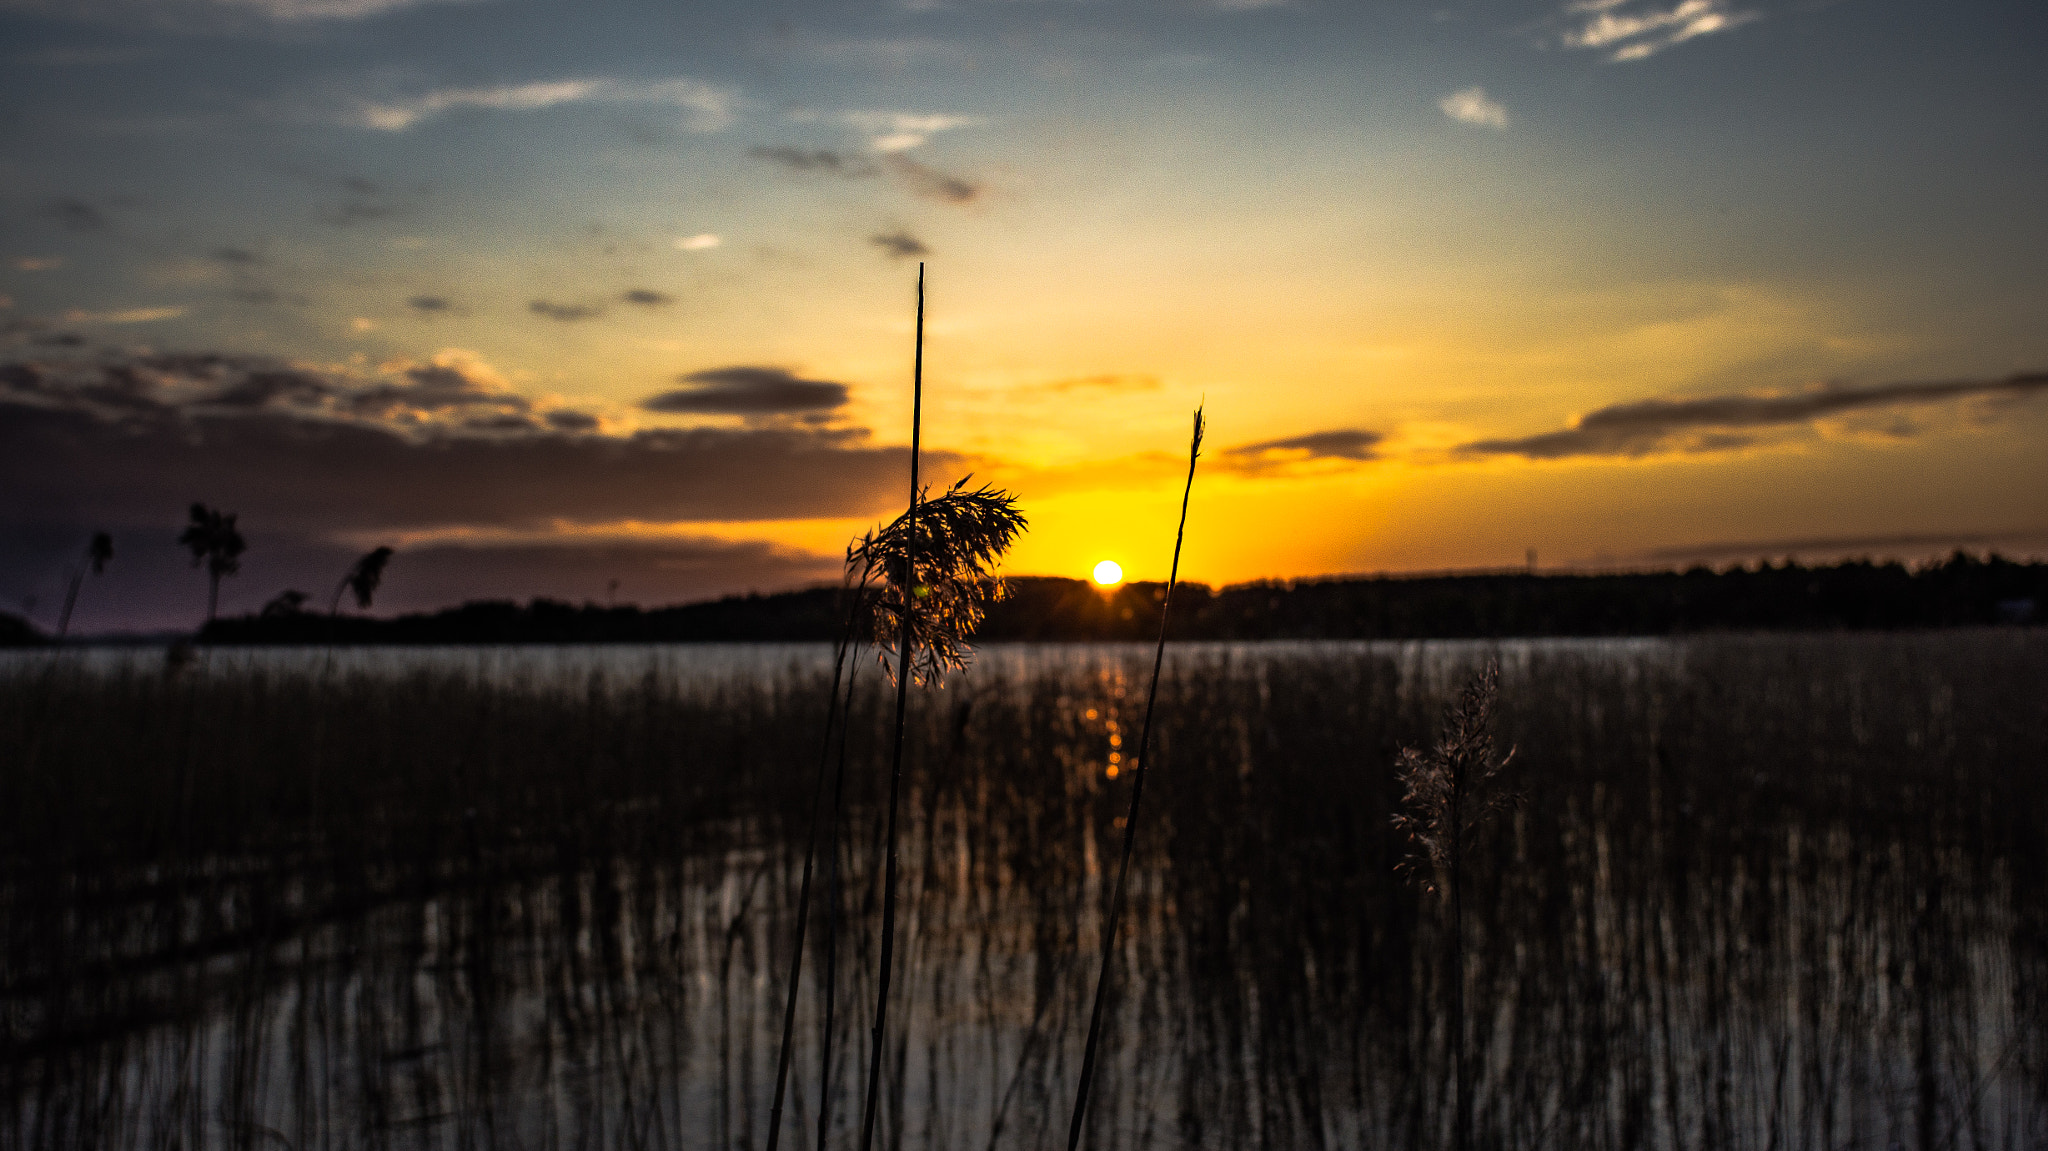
(1962, 591)
(1762, 892)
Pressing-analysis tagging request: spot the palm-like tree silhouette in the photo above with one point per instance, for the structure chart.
(213, 541)
(97, 554)
(362, 579)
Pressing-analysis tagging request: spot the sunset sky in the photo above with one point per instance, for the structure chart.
(547, 295)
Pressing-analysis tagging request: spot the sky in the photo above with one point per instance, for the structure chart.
(614, 300)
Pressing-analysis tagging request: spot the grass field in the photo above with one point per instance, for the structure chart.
(1764, 892)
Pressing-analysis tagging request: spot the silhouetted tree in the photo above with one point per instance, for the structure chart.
(97, 555)
(362, 579)
(213, 541)
(290, 601)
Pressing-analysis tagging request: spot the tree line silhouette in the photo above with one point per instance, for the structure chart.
(1963, 590)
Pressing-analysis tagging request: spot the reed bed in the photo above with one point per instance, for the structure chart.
(1762, 893)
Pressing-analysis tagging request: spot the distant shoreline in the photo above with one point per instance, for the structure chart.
(1960, 592)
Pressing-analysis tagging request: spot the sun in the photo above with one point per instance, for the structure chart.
(1109, 573)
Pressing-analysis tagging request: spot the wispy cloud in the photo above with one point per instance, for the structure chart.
(1726, 422)
(188, 16)
(902, 131)
(701, 242)
(566, 313)
(76, 215)
(899, 244)
(747, 390)
(1106, 381)
(122, 316)
(706, 108)
(1473, 106)
(1631, 30)
(38, 263)
(1335, 449)
(292, 11)
(931, 183)
(920, 179)
(824, 160)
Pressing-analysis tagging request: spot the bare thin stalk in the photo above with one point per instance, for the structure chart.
(803, 899)
(832, 918)
(1138, 766)
(1461, 1134)
(867, 1123)
(97, 554)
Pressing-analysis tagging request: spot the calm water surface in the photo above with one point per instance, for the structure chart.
(1760, 892)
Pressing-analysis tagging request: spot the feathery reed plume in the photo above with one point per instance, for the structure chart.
(97, 555)
(213, 540)
(1450, 790)
(951, 545)
(362, 579)
(1137, 766)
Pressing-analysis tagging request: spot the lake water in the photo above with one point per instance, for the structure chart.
(1760, 891)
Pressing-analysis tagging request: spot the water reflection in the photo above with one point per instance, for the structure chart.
(1781, 892)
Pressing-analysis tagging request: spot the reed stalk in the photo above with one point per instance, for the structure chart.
(1450, 790)
(97, 555)
(907, 612)
(854, 593)
(1138, 765)
(832, 910)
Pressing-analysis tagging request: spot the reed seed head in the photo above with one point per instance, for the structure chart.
(368, 572)
(951, 545)
(1454, 786)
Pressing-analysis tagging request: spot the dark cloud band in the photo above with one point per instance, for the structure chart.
(1335, 446)
(747, 390)
(434, 448)
(1720, 423)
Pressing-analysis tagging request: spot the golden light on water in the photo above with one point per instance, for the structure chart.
(1109, 573)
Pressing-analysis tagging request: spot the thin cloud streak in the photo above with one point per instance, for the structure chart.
(748, 390)
(1335, 449)
(931, 183)
(1721, 423)
(1630, 31)
(825, 160)
(902, 131)
(899, 245)
(566, 313)
(706, 108)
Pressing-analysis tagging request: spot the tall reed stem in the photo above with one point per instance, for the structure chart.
(803, 899)
(909, 590)
(1461, 1071)
(1138, 766)
(832, 895)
